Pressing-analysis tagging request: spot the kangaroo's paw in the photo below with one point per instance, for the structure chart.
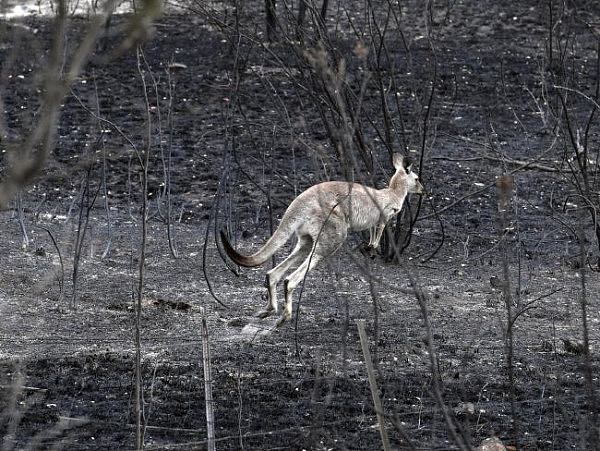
(265, 313)
(281, 321)
(368, 250)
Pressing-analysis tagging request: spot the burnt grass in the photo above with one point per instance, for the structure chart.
(243, 128)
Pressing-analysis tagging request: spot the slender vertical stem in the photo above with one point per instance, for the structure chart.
(593, 436)
(21, 218)
(505, 187)
(208, 396)
(168, 171)
(141, 267)
(452, 426)
(364, 343)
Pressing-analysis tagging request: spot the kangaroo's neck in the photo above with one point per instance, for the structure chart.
(398, 185)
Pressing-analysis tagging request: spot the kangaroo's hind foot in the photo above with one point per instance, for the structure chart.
(265, 313)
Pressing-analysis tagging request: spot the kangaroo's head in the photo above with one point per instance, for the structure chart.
(405, 178)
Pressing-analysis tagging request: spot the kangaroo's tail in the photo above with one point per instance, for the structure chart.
(278, 239)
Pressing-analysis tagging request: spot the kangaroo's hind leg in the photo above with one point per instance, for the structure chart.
(300, 252)
(329, 239)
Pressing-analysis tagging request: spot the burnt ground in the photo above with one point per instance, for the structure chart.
(67, 365)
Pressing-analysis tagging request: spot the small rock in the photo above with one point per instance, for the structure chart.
(573, 346)
(491, 444)
(465, 408)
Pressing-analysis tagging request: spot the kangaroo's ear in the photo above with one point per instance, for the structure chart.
(397, 161)
(400, 161)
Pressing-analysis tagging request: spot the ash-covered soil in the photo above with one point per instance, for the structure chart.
(238, 125)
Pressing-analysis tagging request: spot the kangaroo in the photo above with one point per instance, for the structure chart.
(321, 218)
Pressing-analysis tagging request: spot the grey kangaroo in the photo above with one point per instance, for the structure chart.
(321, 218)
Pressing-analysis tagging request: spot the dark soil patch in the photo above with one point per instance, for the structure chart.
(67, 373)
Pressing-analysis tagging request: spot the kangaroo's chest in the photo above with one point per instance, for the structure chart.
(365, 210)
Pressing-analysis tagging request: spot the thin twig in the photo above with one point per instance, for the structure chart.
(61, 280)
(208, 394)
(139, 405)
(364, 343)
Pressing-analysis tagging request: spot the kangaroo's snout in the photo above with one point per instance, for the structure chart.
(419, 189)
